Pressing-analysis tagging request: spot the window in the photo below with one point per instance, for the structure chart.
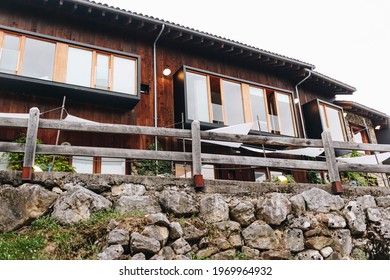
(332, 119)
(38, 59)
(113, 166)
(65, 63)
(217, 100)
(83, 164)
(9, 56)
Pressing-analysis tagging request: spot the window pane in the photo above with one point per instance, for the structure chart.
(125, 75)
(38, 59)
(83, 164)
(9, 55)
(232, 103)
(285, 114)
(102, 71)
(216, 100)
(113, 166)
(197, 100)
(335, 124)
(258, 109)
(79, 67)
(323, 118)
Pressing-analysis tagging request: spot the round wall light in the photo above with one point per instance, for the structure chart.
(167, 72)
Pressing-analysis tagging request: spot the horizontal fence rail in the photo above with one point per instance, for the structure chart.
(196, 156)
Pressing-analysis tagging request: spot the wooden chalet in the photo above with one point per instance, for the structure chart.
(103, 64)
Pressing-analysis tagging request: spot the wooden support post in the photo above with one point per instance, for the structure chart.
(331, 162)
(31, 144)
(196, 155)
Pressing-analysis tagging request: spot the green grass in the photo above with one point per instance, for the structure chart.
(45, 238)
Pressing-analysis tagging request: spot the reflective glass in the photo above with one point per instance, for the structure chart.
(285, 114)
(79, 67)
(9, 54)
(102, 74)
(197, 99)
(335, 125)
(38, 59)
(125, 75)
(83, 164)
(113, 166)
(258, 109)
(232, 103)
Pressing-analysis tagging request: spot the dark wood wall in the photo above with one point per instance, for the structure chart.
(117, 37)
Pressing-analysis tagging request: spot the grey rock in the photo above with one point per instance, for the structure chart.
(213, 209)
(318, 242)
(298, 204)
(19, 206)
(333, 220)
(356, 217)
(118, 237)
(366, 201)
(175, 231)
(181, 246)
(225, 255)
(207, 252)
(300, 222)
(139, 257)
(335, 256)
(178, 203)
(223, 244)
(193, 233)
(227, 228)
(243, 213)
(57, 190)
(112, 224)
(321, 201)
(293, 239)
(260, 236)
(204, 243)
(309, 255)
(165, 253)
(235, 240)
(250, 253)
(158, 233)
(326, 252)
(111, 253)
(143, 244)
(276, 255)
(158, 219)
(385, 228)
(359, 254)
(383, 201)
(137, 204)
(386, 213)
(182, 258)
(342, 241)
(374, 214)
(273, 209)
(128, 190)
(78, 204)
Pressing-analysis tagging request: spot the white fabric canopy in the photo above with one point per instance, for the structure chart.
(310, 152)
(373, 159)
(241, 129)
(71, 118)
(14, 115)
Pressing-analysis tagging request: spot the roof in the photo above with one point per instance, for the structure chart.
(377, 117)
(173, 32)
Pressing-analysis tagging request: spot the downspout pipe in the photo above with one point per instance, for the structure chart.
(155, 82)
(299, 103)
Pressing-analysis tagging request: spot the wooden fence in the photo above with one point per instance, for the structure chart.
(30, 148)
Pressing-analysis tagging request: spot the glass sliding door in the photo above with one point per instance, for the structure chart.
(285, 112)
(197, 97)
(232, 103)
(259, 112)
(38, 59)
(79, 68)
(9, 55)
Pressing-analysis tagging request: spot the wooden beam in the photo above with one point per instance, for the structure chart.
(31, 142)
(196, 148)
(177, 35)
(333, 171)
(75, 6)
(129, 21)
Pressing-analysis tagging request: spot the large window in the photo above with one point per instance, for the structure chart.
(218, 100)
(332, 119)
(66, 63)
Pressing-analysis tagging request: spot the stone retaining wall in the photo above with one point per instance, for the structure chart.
(226, 220)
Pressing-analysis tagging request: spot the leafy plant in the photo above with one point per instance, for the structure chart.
(314, 177)
(154, 167)
(15, 160)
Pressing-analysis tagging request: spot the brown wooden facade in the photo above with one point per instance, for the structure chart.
(110, 30)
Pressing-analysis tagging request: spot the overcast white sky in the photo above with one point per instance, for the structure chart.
(348, 40)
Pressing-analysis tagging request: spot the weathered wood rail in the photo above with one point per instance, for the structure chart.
(196, 156)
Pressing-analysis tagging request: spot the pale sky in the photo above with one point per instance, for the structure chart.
(348, 40)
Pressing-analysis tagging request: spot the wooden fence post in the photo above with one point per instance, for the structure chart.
(196, 155)
(31, 144)
(331, 162)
